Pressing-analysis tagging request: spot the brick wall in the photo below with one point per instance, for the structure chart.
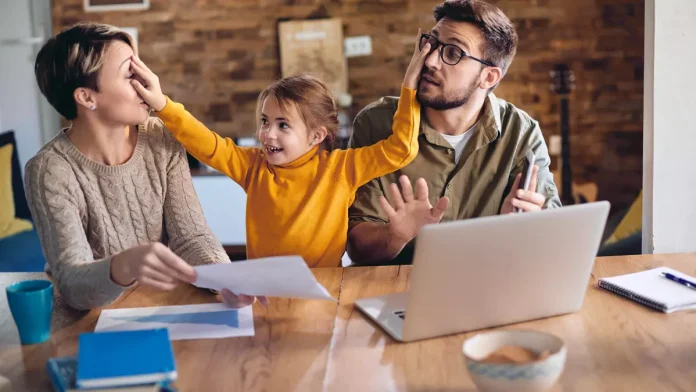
(216, 56)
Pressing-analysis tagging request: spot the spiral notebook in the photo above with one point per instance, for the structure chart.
(652, 289)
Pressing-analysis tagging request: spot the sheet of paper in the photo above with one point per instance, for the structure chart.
(207, 321)
(286, 276)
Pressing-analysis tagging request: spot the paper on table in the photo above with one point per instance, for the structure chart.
(207, 321)
(285, 276)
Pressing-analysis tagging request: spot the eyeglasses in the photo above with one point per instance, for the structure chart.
(450, 54)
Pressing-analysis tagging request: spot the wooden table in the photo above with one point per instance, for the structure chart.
(613, 343)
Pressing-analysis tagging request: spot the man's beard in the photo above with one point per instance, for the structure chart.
(448, 101)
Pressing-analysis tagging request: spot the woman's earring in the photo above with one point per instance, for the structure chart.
(93, 108)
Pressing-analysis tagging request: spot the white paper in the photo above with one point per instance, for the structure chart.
(207, 321)
(286, 276)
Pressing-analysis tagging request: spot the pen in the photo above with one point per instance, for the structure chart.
(679, 280)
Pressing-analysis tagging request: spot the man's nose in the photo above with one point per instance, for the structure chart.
(433, 60)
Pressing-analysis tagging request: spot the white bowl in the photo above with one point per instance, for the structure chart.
(537, 376)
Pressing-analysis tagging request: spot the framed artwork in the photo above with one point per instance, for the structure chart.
(115, 5)
(314, 47)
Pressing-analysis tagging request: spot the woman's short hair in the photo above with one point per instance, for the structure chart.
(72, 59)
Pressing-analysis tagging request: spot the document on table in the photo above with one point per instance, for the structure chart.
(207, 321)
(286, 276)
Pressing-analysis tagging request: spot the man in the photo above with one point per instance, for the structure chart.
(472, 144)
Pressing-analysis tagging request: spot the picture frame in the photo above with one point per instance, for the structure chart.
(115, 5)
(314, 47)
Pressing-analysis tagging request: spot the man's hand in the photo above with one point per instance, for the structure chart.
(525, 200)
(409, 213)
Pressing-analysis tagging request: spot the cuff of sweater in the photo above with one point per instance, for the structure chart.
(407, 102)
(169, 109)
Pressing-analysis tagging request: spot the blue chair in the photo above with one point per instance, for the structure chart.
(20, 252)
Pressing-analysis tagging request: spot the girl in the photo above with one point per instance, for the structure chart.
(297, 193)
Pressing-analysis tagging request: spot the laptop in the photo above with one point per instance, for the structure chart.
(485, 272)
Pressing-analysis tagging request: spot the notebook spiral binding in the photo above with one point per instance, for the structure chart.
(632, 296)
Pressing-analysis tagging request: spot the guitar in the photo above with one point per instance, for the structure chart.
(571, 193)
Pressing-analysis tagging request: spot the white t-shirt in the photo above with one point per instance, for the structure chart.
(458, 142)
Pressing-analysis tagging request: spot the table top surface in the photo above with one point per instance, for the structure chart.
(613, 343)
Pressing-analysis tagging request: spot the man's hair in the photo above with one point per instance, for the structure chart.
(72, 59)
(499, 35)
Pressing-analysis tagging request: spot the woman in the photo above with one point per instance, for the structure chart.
(105, 193)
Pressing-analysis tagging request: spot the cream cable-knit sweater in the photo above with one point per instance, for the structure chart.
(86, 212)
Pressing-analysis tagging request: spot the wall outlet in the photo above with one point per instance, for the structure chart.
(358, 46)
(555, 145)
(133, 33)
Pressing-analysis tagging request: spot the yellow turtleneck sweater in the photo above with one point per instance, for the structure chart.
(300, 208)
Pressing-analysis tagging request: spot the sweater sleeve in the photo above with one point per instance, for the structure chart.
(207, 146)
(360, 165)
(84, 283)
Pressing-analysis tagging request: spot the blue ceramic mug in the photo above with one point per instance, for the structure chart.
(31, 304)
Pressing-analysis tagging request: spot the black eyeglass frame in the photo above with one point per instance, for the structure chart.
(426, 37)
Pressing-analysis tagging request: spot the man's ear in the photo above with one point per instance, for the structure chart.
(490, 77)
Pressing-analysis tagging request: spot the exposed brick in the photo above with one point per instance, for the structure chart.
(220, 112)
(192, 68)
(236, 54)
(216, 56)
(596, 64)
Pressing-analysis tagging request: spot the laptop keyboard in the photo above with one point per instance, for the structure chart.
(401, 314)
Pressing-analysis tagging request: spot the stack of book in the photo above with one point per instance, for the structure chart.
(130, 361)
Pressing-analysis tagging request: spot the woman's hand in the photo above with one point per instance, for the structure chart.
(152, 265)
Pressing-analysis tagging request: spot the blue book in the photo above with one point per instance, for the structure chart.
(116, 359)
(62, 371)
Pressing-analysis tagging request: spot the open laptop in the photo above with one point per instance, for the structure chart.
(492, 271)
